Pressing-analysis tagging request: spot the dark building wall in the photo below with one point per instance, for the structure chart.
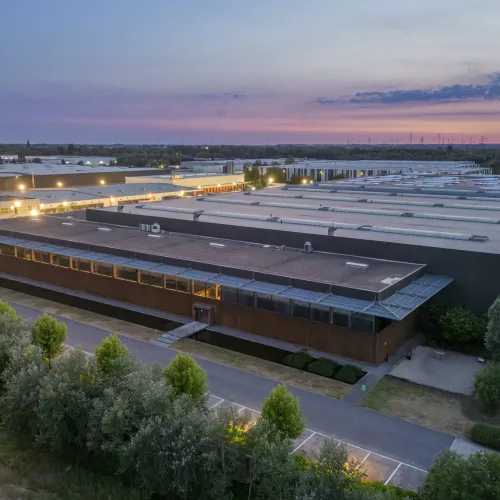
(327, 338)
(70, 180)
(472, 270)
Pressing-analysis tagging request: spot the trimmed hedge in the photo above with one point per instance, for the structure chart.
(375, 487)
(349, 374)
(299, 360)
(323, 366)
(487, 435)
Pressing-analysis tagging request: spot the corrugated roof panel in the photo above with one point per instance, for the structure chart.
(262, 287)
(304, 295)
(230, 281)
(194, 274)
(142, 265)
(169, 270)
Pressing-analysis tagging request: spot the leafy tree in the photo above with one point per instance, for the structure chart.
(49, 334)
(110, 354)
(80, 162)
(282, 410)
(492, 338)
(487, 386)
(13, 332)
(461, 326)
(290, 161)
(65, 401)
(453, 477)
(28, 145)
(6, 309)
(186, 377)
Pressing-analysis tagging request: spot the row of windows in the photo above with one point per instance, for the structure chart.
(298, 309)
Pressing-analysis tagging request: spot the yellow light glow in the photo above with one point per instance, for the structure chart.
(42, 205)
(199, 187)
(65, 203)
(112, 199)
(253, 188)
(182, 193)
(17, 204)
(361, 174)
(22, 187)
(34, 212)
(310, 182)
(12, 207)
(218, 185)
(102, 182)
(234, 183)
(59, 184)
(271, 180)
(304, 181)
(150, 195)
(177, 166)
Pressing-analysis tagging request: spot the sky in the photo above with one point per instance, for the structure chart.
(259, 72)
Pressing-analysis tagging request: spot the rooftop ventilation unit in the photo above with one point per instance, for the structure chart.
(217, 245)
(308, 248)
(357, 265)
(155, 228)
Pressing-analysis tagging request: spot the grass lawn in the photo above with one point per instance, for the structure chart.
(27, 474)
(274, 371)
(433, 408)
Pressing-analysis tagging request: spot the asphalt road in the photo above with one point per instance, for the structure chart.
(394, 438)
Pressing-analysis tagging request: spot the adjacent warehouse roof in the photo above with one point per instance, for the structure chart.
(395, 307)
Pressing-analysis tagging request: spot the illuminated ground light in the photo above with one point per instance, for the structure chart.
(64, 203)
(59, 184)
(34, 213)
(17, 203)
(102, 182)
(22, 187)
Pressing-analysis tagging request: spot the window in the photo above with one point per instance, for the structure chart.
(24, 253)
(199, 288)
(213, 291)
(300, 309)
(170, 283)
(183, 285)
(229, 295)
(281, 306)
(152, 279)
(43, 257)
(265, 302)
(320, 313)
(340, 318)
(126, 273)
(83, 265)
(60, 260)
(246, 298)
(362, 322)
(7, 250)
(103, 269)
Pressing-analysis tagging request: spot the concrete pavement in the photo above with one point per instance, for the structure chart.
(387, 436)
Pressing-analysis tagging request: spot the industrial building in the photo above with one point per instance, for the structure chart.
(321, 171)
(19, 177)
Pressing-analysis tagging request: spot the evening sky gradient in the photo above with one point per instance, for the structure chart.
(275, 71)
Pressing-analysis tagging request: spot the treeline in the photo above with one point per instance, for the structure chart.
(173, 155)
(152, 429)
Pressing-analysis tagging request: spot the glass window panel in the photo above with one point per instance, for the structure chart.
(246, 298)
(300, 309)
(152, 279)
(170, 283)
(281, 306)
(24, 253)
(126, 273)
(199, 288)
(43, 257)
(213, 291)
(340, 318)
(7, 250)
(83, 265)
(265, 302)
(60, 260)
(320, 313)
(362, 322)
(103, 269)
(229, 295)
(183, 285)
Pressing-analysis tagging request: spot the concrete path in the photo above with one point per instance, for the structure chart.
(467, 448)
(183, 331)
(395, 439)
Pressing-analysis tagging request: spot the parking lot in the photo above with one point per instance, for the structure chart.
(376, 467)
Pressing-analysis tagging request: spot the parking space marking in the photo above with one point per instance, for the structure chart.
(216, 404)
(394, 472)
(304, 442)
(361, 463)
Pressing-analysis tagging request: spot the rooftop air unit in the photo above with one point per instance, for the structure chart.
(155, 228)
(308, 248)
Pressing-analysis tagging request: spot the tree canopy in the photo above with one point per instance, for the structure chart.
(186, 376)
(49, 334)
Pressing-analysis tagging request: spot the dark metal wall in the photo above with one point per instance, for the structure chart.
(475, 272)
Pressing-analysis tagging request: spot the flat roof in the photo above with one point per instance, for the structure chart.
(414, 218)
(326, 269)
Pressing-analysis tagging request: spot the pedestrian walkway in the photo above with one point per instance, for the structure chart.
(183, 331)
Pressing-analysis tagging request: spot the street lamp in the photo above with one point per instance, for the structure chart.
(17, 203)
(270, 180)
(22, 187)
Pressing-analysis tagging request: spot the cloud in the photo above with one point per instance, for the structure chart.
(451, 93)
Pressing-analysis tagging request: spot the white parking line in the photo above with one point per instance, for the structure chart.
(216, 404)
(360, 463)
(304, 442)
(392, 475)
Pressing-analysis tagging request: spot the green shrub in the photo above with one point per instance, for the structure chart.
(461, 326)
(487, 435)
(299, 360)
(487, 386)
(349, 374)
(323, 366)
(395, 491)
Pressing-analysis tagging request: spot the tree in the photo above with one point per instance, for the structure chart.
(9, 311)
(487, 386)
(13, 332)
(492, 338)
(110, 354)
(49, 334)
(290, 161)
(186, 377)
(28, 145)
(453, 477)
(282, 410)
(461, 326)
(80, 162)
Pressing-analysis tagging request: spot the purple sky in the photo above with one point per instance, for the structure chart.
(275, 71)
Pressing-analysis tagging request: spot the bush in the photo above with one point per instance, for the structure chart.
(282, 410)
(487, 386)
(186, 377)
(49, 334)
(349, 374)
(395, 492)
(110, 354)
(461, 326)
(487, 435)
(6, 309)
(323, 366)
(299, 360)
